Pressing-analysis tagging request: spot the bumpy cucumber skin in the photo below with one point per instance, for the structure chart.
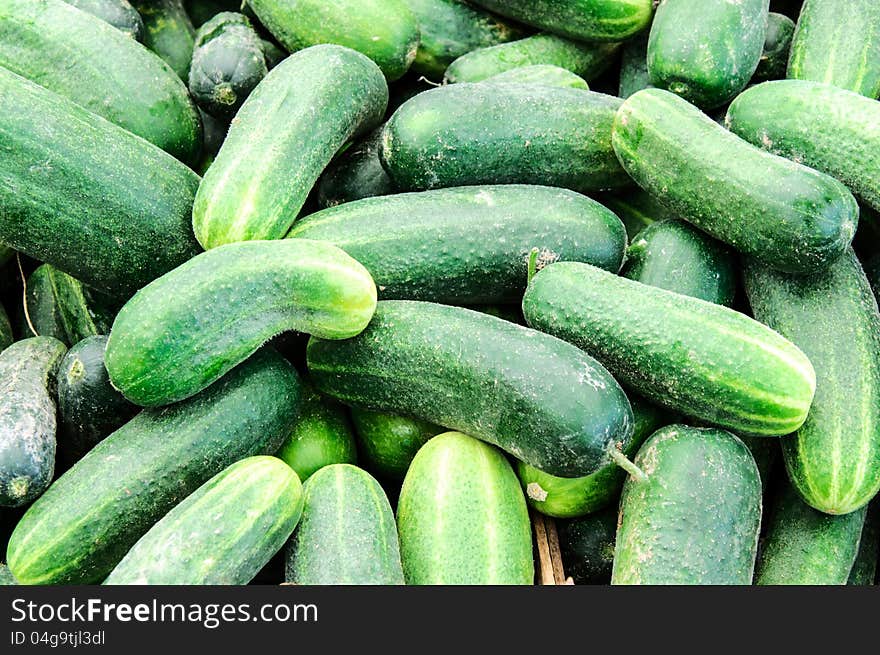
(282, 138)
(573, 497)
(221, 534)
(355, 174)
(119, 13)
(838, 43)
(93, 514)
(27, 418)
(864, 569)
(388, 442)
(587, 546)
(467, 245)
(470, 371)
(542, 74)
(462, 518)
(636, 208)
(696, 519)
(588, 60)
(634, 66)
(704, 360)
(347, 535)
(706, 51)
(806, 547)
(829, 129)
(777, 44)
(791, 217)
(466, 134)
(386, 31)
(834, 459)
(168, 32)
(90, 62)
(674, 256)
(228, 302)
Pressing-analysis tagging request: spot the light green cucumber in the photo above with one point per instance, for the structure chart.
(636, 208)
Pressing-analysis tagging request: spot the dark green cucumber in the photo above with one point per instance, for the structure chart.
(790, 217)
(452, 28)
(466, 370)
(706, 51)
(696, 518)
(543, 74)
(221, 534)
(634, 66)
(356, 173)
(227, 63)
(467, 245)
(806, 547)
(27, 418)
(777, 44)
(588, 60)
(386, 31)
(636, 208)
(119, 13)
(838, 43)
(6, 337)
(572, 497)
(111, 209)
(586, 545)
(462, 518)
(673, 255)
(464, 134)
(704, 360)
(187, 329)
(88, 61)
(583, 20)
(93, 514)
(388, 442)
(347, 535)
(201, 11)
(89, 408)
(864, 569)
(321, 437)
(829, 129)
(276, 148)
(168, 32)
(834, 459)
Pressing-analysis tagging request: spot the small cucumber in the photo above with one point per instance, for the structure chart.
(587, 546)
(347, 535)
(777, 44)
(542, 74)
(388, 442)
(864, 569)
(355, 173)
(696, 518)
(168, 32)
(634, 66)
(462, 518)
(119, 13)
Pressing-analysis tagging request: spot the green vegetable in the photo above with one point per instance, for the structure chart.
(119, 13)
(168, 32)
(634, 66)
(543, 74)
(777, 43)
(354, 174)
(587, 546)
(636, 208)
(388, 442)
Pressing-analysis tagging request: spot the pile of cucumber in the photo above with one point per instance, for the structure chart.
(365, 291)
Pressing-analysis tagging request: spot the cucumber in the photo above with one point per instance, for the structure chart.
(696, 518)
(89, 408)
(227, 302)
(452, 28)
(467, 245)
(470, 371)
(386, 31)
(636, 208)
(223, 533)
(583, 20)
(834, 459)
(838, 43)
(347, 535)
(467, 134)
(806, 547)
(119, 13)
(276, 149)
(704, 360)
(790, 217)
(27, 418)
(672, 255)
(321, 437)
(586, 545)
(388, 442)
(829, 129)
(6, 337)
(573, 497)
(588, 60)
(634, 66)
(777, 44)
(111, 210)
(227, 63)
(462, 518)
(201, 11)
(356, 173)
(864, 569)
(706, 52)
(88, 61)
(80, 529)
(168, 32)
(543, 74)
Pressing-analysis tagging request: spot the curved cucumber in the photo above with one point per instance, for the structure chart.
(462, 518)
(347, 535)
(696, 518)
(467, 245)
(388, 442)
(356, 173)
(790, 217)
(587, 546)
(464, 134)
(187, 329)
(777, 44)
(119, 13)
(168, 32)
(542, 74)
(276, 148)
(704, 360)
